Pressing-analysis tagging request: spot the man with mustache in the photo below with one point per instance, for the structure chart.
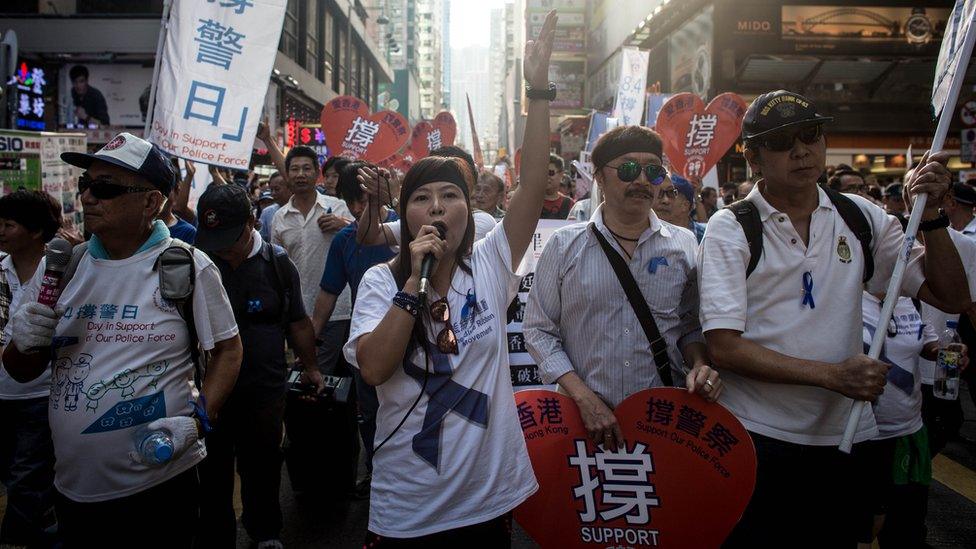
(783, 322)
(576, 288)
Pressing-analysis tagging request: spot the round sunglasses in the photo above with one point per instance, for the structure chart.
(631, 170)
(783, 141)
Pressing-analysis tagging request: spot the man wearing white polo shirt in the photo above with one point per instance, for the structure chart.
(783, 319)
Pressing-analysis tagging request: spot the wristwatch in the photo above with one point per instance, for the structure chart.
(940, 222)
(548, 94)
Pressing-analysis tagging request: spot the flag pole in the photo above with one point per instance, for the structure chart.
(894, 286)
(479, 157)
(157, 66)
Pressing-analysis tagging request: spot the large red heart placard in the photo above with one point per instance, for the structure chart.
(430, 135)
(696, 137)
(683, 480)
(352, 131)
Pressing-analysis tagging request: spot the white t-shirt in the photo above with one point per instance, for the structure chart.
(471, 464)
(768, 309)
(9, 388)
(898, 410)
(308, 247)
(483, 224)
(122, 361)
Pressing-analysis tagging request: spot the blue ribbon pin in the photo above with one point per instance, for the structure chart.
(808, 290)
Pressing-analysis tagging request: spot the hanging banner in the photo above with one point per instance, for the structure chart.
(696, 137)
(598, 126)
(682, 480)
(629, 105)
(214, 75)
(525, 372)
(432, 135)
(353, 132)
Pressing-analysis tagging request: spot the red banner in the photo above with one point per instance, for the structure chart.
(352, 131)
(696, 137)
(683, 480)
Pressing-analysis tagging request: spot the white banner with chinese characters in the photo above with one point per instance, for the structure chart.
(629, 105)
(525, 372)
(214, 75)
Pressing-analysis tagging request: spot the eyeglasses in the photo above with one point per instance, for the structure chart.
(855, 188)
(552, 173)
(783, 141)
(103, 188)
(670, 194)
(440, 311)
(631, 170)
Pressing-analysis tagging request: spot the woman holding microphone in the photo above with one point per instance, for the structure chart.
(450, 462)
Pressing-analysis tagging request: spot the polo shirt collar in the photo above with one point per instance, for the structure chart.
(256, 246)
(655, 224)
(766, 209)
(320, 199)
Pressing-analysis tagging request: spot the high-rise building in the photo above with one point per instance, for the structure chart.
(497, 70)
(470, 78)
(446, 55)
(415, 30)
(427, 41)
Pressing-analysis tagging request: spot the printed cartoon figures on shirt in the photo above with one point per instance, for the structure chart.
(68, 380)
(123, 381)
(843, 250)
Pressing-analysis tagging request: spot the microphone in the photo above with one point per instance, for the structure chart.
(58, 255)
(428, 264)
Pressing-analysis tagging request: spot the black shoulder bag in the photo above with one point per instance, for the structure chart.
(659, 348)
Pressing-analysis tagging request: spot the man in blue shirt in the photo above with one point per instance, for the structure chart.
(346, 263)
(280, 193)
(178, 229)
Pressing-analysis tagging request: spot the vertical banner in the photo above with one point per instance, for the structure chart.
(213, 79)
(629, 105)
(525, 372)
(598, 126)
(479, 158)
(952, 47)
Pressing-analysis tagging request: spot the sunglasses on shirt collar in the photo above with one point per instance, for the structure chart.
(783, 141)
(105, 188)
(631, 170)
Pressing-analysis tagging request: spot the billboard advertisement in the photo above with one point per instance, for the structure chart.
(690, 55)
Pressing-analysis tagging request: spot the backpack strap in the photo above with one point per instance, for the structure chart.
(177, 280)
(858, 223)
(280, 261)
(747, 214)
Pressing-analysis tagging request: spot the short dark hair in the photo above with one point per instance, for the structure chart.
(707, 191)
(834, 182)
(488, 177)
(348, 187)
(300, 151)
(35, 210)
(558, 161)
(730, 186)
(338, 162)
(453, 151)
(78, 70)
(274, 175)
(623, 139)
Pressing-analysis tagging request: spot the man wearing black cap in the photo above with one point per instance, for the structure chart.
(122, 368)
(958, 206)
(894, 202)
(265, 294)
(783, 319)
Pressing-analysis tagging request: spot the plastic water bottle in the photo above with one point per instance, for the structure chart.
(155, 447)
(946, 384)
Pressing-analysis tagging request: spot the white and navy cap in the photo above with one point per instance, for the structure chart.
(134, 154)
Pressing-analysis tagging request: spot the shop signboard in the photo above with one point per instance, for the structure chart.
(32, 161)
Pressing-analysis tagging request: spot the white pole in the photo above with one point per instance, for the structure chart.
(894, 286)
(164, 28)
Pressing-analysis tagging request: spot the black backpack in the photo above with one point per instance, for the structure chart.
(747, 215)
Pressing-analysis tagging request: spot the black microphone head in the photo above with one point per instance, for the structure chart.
(58, 254)
(441, 229)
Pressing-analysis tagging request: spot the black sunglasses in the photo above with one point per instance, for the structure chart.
(631, 170)
(103, 188)
(783, 141)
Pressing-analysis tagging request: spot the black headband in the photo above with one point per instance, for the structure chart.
(619, 147)
(446, 172)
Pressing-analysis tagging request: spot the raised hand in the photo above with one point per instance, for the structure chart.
(535, 63)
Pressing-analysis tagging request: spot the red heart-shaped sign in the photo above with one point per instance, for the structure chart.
(696, 137)
(351, 131)
(683, 480)
(428, 136)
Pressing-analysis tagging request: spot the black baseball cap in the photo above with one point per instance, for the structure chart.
(893, 191)
(134, 154)
(777, 110)
(964, 194)
(222, 213)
